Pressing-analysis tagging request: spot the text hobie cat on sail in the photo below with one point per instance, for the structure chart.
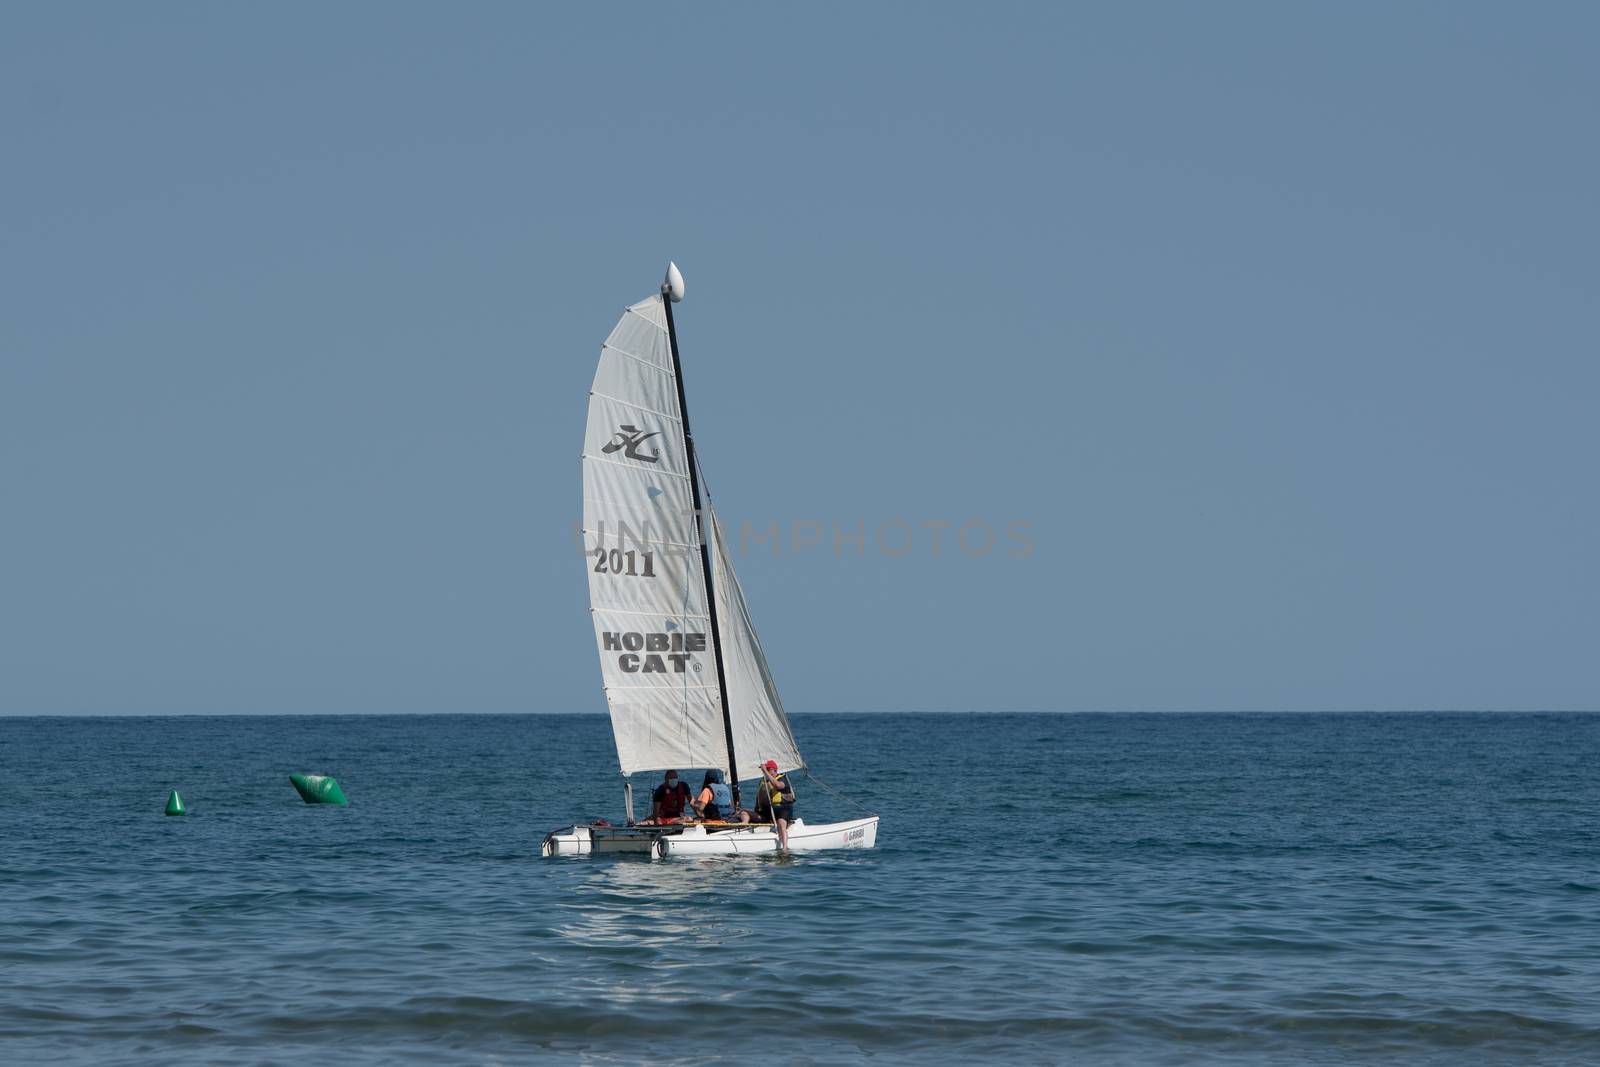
(683, 670)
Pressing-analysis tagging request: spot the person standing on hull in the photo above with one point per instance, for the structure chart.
(776, 799)
(669, 800)
(715, 802)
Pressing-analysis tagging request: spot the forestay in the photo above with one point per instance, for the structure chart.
(646, 585)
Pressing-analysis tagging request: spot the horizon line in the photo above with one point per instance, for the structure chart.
(940, 711)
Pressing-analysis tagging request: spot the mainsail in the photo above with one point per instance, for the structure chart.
(647, 583)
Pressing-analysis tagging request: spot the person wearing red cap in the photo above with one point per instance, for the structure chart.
(775, 801)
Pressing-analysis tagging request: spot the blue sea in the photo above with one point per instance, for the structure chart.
(1097, 889)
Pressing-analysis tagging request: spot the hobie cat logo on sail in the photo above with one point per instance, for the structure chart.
(627, 439)
(650, 653)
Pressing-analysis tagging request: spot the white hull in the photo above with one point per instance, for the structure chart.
(664, 842)
(695, 841)
(595, 840)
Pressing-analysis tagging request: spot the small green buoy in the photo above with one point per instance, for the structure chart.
(317, 789)
(175, 804)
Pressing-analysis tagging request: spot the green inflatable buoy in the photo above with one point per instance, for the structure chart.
(175, 804)
(317, 789)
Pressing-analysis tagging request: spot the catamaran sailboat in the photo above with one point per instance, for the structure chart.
(683, 671)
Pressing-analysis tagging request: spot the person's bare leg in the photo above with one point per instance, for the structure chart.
(783, 835)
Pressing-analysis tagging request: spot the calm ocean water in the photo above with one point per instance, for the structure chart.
(1107, 889)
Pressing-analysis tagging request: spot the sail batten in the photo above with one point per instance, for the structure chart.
(635, 356)
(649, 614)
(619, 463)
(634, 688)
(636, 405)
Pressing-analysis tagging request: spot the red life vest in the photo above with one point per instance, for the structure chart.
(672, 800)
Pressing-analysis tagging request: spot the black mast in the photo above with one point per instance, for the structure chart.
(705, 547)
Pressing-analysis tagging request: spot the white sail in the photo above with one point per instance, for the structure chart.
(658, 653)
(760, 728)
(646, 588)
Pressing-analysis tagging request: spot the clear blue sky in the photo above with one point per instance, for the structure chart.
(1276, 322)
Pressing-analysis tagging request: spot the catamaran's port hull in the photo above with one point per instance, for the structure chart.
(665, 842)
(597, 840)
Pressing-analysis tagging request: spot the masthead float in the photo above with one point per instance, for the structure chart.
(684, 674)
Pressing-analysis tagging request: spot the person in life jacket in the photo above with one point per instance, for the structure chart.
(669, 800)
(715, 802)
(775, 800)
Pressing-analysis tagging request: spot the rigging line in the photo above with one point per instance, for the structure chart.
(807, 772)
(705, 486)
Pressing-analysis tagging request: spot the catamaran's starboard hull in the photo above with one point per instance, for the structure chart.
(695, 841)
(699, 841)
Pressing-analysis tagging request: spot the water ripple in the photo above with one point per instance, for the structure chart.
(1168, 889)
